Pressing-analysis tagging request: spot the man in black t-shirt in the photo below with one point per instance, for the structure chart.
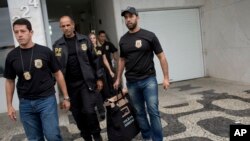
(34, 65)
(137, 48)
(83, 74)
(108, 49)
(110, 58)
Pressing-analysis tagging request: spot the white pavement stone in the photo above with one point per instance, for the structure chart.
(192, 129)
(232, 104)
(192, 105)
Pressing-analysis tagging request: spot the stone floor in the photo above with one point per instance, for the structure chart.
(194, 110)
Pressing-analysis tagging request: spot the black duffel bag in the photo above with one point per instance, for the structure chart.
(121, 121)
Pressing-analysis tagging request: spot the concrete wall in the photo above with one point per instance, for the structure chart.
(226, 39)
(146, 5)
(34, 14)
(105, 19)
(6, 39)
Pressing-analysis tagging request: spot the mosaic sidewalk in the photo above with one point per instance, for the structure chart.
(194, 110)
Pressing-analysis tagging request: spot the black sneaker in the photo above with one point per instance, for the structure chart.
(97, 137)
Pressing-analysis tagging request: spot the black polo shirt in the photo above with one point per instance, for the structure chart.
(138, 50)
(43, 64)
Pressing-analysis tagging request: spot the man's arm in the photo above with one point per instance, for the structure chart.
(164, 66)
(61, 82)
(121, 66)
(106, 63)
(9, 88)
(115, 56)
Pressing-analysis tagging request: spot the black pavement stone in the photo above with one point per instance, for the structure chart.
(174, 126)
(247, 91)
(193, 139)
(185, 87)
(18, 137)
(66, 135)
(71, 119)
(218, 125)
(178, 105)
(209, 96)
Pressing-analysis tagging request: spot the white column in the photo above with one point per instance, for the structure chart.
(31, 10)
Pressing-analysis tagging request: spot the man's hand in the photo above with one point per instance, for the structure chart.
(99, 85)
(65, 104)
(112, 74)
(12, 113)
(165, 84)
(116, 84)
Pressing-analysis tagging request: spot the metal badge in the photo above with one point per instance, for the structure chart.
(38, 63)
(138, 43)
(84, 47)
(58, 51)
(107, 47)
(27, 75)
(99, 52)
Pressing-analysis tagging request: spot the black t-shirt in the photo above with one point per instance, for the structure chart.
(43, 64)
(137, 50)
(73, 70)
(107, 49)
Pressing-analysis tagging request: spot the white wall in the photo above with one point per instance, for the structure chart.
(225, 31)
(104, 11)
(226, 39)
(36, 18)
(147, 5)
(109, 12)
(6, 39)
(144, 5)
(3, 105)
(23, 9)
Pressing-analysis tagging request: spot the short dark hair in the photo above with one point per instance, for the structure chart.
(23, 21)
(101, 31)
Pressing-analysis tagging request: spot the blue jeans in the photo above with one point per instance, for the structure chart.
(40, 118)
(146, 92)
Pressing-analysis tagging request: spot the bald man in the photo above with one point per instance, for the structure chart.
(83, 73)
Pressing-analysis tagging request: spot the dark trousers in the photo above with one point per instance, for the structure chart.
(83, 103)
(106, 92)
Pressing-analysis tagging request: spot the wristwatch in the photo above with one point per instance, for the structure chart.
(66, 98)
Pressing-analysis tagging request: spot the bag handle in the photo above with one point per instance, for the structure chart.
(119, 91)
(116, 98)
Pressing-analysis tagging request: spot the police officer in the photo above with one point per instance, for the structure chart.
(110, 55)
(137, 49)
(109, 50)
(83, 72)
(34, 64)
